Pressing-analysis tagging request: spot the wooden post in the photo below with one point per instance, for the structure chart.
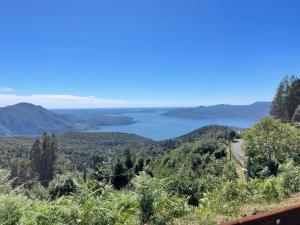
(84, 173)
(249, 169)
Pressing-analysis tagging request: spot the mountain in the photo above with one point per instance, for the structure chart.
(29, 119)
(91, 119)
(254, 111)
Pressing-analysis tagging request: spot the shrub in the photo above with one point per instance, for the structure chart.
(270, 189)
(290, 178)
(5, 182)
(62, 185)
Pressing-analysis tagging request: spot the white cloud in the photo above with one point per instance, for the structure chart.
(6, 90)
(60, 101)
(52, 101)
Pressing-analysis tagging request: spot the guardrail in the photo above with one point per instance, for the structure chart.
(285, 216)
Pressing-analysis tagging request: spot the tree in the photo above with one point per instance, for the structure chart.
(293, 97)
(280, 101)
(128, 159)
(287, 99)
(35, 157)
(21, 171)
(268, 144)
(43, 158)
(139, 166)
(120, 178)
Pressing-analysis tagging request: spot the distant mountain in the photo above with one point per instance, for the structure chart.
(29, 119)
(254, 111)
(91, 119)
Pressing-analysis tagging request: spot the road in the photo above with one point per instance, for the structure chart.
(237, 153)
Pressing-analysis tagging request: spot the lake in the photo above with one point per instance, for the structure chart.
(157, 127)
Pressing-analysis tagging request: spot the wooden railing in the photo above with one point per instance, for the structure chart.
(285, 216)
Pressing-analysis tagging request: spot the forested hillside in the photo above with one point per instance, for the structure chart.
(77, 148)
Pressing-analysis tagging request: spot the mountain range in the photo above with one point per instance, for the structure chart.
(255, 111)
(29, 119)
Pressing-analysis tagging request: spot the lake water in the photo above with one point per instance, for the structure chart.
(157, 127)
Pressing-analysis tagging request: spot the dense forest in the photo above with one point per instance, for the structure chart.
(115, 178)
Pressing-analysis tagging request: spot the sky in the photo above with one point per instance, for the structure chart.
(146, 53)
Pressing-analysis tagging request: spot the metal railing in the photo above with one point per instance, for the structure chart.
(285, 216)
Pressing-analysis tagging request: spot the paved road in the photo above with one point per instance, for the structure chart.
(237, 151)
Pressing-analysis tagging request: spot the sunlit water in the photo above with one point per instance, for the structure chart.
(157, 127)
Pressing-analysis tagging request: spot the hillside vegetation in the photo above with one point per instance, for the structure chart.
(191, 181)
(117, 179)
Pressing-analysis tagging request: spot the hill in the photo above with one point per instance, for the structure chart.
(79, 147)
(211, 131)
(29, 119)
(254, 111)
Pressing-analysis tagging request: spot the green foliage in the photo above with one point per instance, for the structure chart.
(287, 99)
(5, 182)
(128, 159)
(120, 177)
(147, 206)
(206, 156)
(163, 207)
(11, 209)
(268, 144)
(194, 181)
(290, 178)
(139, 166)
(42, 157)
(62, 185)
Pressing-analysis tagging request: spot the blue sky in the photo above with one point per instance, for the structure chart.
(126, 53)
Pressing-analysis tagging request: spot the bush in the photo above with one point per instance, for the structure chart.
(270, 189)
(290, 178)
(184, 189)
(62, 185)
(164, 207)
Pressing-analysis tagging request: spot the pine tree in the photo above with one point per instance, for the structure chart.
(139, 166)
(280, 102)
(120, 178)
(293, 97)
(128, 159)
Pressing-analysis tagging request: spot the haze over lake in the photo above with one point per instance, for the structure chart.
(154, 125)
